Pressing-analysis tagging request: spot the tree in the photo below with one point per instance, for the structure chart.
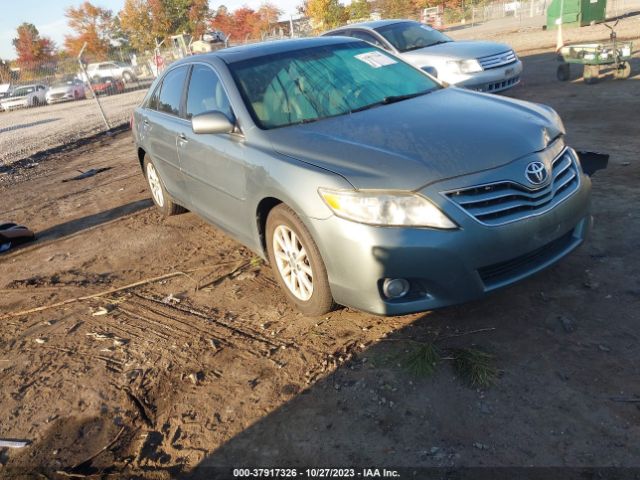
(359, 10)
(198, 16)
(396, 8)
(145, 21)
(30, 47)
(325, 14)
(93, 25)
(136, 23)
(222, 21)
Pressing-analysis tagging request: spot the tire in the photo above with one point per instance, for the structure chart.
(591, 74)
(287, 237)
(563, 73)
(36, 102)
(623, 71)
(161, 198)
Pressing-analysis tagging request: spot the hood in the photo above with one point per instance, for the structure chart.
(410, 144)
(458, 50)
(60, 89)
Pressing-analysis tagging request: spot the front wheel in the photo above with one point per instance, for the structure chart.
(297, 263)
(159, 194)
(623, 71)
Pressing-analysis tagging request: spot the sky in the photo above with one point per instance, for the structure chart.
(48, 16)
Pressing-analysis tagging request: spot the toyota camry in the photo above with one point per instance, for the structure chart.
(363, 180)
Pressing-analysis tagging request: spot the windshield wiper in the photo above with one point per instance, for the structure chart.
(417, 47)
(390, 99)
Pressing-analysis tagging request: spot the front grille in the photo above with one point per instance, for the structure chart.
(497, 86)
(57, 95)
(498, 60)
(505, 202)
(498, 274)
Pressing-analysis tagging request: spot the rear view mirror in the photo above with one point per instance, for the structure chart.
(211, 122)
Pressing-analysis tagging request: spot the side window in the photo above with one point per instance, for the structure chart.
(367, 37)
(104, 66)
(171, 91)
(152, 103)
(206, 93)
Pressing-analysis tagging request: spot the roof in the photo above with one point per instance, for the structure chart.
(373, 24)
(245, 52)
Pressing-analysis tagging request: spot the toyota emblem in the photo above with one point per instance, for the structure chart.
(536, 173)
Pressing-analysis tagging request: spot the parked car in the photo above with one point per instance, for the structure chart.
(107, 86)
(5, 90)
(363, 181)
(68, 88)
(116, 70)
(25, 96)
(483, 66)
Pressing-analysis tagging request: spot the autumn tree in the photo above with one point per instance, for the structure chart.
(145, 21)
(91, 24)
(359, 10)
(396, 8)
(30, 46)
(325, 14)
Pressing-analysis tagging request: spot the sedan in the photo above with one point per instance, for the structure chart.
(25, 96)
(361, 179)
(107, 85)
(66, 89)
(483, 66)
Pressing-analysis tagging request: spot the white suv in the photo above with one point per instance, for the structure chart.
(109, 69)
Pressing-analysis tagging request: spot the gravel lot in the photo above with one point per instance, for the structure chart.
(27, 131)
(207, 366)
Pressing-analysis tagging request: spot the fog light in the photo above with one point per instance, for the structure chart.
(395, 287)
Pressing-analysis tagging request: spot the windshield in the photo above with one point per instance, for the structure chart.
(23, 91)
(62, 84)
(310, 84)
(406, 36)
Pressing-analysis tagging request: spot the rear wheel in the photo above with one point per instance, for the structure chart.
(35, 102)
(297, 263)
(564, 72)
(161, 198)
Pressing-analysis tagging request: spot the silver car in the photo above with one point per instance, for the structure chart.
(68, 88)
(483, 66)
(25, 96)
(361, 179)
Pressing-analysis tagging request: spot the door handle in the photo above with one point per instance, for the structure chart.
(145, 121)
(183, 138)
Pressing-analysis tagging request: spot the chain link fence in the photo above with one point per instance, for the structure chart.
(52, 104)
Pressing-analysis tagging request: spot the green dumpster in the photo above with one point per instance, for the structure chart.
(576, 13)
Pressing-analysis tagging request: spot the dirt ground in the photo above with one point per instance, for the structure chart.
(211, 367)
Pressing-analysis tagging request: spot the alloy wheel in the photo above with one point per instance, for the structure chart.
(292, 262)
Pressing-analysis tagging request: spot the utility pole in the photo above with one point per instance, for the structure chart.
(95, 97)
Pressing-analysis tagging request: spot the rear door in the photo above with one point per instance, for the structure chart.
(214, 166)
(162, 120)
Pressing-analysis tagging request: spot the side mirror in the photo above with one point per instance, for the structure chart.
(211, 122)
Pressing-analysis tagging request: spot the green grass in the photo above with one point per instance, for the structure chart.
(475, 366)
(423, 360)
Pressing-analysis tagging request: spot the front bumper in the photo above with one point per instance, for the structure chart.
(446, 267)
(492, 80)
(11, 105)
(57, 98)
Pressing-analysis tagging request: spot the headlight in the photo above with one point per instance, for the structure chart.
(465, 66)
(385, 208)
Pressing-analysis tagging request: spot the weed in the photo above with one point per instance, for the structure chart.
(475, 366)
